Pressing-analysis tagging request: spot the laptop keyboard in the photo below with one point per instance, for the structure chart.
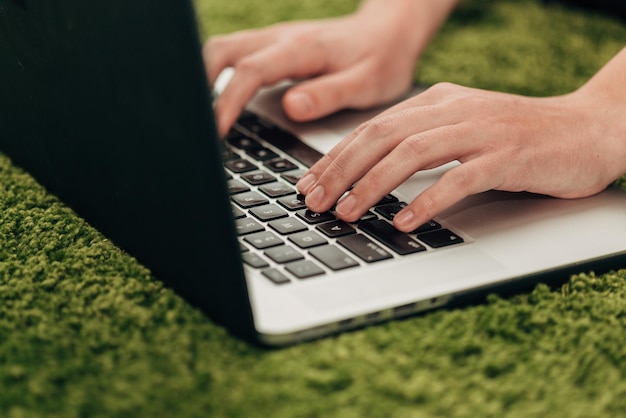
(286, 241)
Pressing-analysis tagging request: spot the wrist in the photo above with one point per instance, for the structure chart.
(414, 22)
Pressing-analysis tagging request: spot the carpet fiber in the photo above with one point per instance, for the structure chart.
(86, 331)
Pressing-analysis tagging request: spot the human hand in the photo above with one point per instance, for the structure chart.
(567, 146)
(356, 61)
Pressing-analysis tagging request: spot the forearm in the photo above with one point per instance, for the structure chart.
(416, 20)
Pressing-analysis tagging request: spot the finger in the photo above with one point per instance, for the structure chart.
(262, 68)
(222, 51)
(372, 140)
(326, 94)
(456, 184)
(418, 152)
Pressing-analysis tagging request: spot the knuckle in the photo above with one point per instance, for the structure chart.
(380, 127)
(443, 87)
(248, 65)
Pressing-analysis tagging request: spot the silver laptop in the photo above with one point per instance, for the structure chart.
(106, 104)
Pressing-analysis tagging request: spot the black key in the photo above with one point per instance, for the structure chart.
(254, 260)
(262, 240)
(240, 166)
(235, 186)
(295, 202)
(307, 239)
(246, 226)
(287, 226)
(333, 257)
(315, 217)
(440, 238)
(242, 141)
(280, 165)
(387, 199)
(284, 254)
(275, 276)
(249, 199)
(336, 229)
(277, 189)
(293, 176)
(390, 210)
(304, 269)
(398, 241)
(228, 154)
(262, 154)
(258, 177)
(367, 216)
(237, 213)
(364, 248)
(428, 226)
(268, 212)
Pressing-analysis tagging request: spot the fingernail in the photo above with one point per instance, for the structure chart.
(300, 104)
(305, 183)
(346, 205)
(315, 197)
(403, 218)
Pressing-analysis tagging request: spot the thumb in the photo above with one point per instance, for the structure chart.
(323, 95)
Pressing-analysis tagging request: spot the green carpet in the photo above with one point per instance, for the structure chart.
(85, 331)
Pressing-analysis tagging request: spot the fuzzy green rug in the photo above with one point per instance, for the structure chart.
(85, 331)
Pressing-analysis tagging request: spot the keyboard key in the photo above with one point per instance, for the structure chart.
(254, 260)
(262, 240)
(237, 213)
(293, 176)
(387, 199)
(364, 248)
(390, 210)
(367, 216)
(277, 189)
(280, 165)
(315, 217)
(235, 186)
(398, 241)
(333, 257)
(275, 276)
(246, 226)
(287, 226)
(249, 199)
(240, 166)
(440, 238)
(258, 177)
(268, 212)
(284, 254)
(242, 140)
(428, 226)
(304, 269)
(295, 202)
(336, 229)
(307, 239)
(262, 154)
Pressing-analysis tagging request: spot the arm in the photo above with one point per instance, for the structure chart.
(359, 60)
(566, 146)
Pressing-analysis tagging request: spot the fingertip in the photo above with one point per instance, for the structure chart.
(405, 220)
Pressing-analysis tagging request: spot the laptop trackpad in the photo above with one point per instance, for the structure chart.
(388, 284)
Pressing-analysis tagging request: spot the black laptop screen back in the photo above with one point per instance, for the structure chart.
(106, 104)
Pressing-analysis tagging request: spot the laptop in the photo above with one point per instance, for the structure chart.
(107, 105)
